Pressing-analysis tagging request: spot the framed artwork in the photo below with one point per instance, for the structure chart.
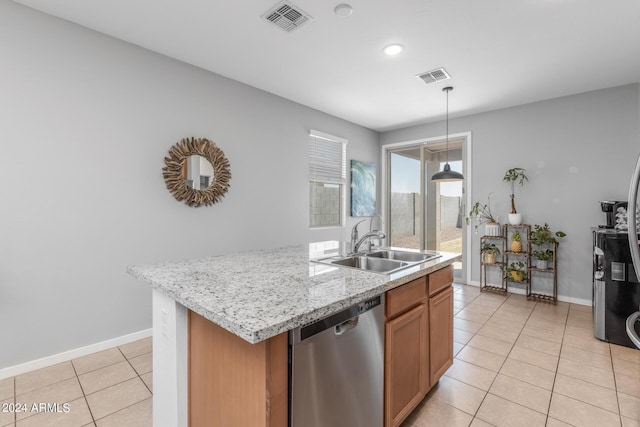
(363, 188)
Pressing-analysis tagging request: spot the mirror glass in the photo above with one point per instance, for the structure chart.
(197, 172)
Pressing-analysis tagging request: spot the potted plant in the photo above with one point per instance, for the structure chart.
(516, 242)
(542, 234)
(489, 252)
(513, 176)
(543, 258)
(516, 271)
(482, 213)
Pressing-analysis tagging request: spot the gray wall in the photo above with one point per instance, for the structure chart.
(85, 123)
(577, 150)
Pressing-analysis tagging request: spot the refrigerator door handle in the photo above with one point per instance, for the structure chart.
(631, 330)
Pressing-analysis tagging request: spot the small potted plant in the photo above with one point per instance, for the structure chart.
(482, 213)
(489, 252)
(516, 242)
(543, 258)
(513, 176)
(516, 271)
(542, 234)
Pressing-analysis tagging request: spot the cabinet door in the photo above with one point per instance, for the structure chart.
(406, 364)
(440, 333)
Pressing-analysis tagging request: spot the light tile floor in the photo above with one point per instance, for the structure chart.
(521, 363)
(517, 363)
(109, 388)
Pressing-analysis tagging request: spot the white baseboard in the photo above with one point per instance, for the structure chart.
(578, 301)
(22, 368)
(519, 291)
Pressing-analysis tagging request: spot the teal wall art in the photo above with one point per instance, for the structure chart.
(363, 188)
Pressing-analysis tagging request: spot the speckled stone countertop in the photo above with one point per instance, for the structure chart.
(257, 295)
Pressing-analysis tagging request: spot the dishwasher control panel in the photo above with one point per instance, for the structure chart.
(369, 304)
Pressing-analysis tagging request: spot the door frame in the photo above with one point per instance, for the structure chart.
(466, 187)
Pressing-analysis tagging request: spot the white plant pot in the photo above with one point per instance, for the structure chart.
(541, 264)
(492, 229)
(515, 219)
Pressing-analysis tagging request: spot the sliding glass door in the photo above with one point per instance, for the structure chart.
(423, 214)
(405, 224)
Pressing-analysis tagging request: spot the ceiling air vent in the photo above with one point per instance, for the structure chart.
(287, 16)
(434, 75)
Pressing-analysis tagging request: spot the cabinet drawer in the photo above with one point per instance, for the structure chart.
(406, 296)
(440, 279)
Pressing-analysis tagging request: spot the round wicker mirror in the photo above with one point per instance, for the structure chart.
(180, 166)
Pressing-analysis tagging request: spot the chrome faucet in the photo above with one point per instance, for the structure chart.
(369, 235)
(354, 235)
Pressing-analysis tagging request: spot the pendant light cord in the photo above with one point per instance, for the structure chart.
(447, 90)
(447, 174)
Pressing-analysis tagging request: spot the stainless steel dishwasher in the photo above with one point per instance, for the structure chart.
(336, 368)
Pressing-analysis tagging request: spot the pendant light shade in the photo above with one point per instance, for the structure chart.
(447, 175)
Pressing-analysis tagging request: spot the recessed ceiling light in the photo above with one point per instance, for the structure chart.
(343, 10)
(393, 49)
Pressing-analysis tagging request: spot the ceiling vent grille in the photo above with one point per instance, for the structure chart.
(434, 75)
(287, 16)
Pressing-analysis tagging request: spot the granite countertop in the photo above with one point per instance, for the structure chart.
(257, 295)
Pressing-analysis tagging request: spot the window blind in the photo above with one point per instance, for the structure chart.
(327, 157)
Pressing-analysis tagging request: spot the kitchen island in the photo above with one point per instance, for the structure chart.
(227, 317)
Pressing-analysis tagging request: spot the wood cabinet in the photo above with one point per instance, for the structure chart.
(418, 341)
(440, 323)
(233, 383)
(406, 363)
(440, 333)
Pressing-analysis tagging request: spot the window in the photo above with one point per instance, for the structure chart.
(327, 174)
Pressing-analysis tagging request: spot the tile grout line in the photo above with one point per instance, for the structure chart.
(475, 415)
(135, 370)
(564, 323)
(573, 397)
(112, 385)
(615, 383)
(84, 395)
(555, 374)
(474, 334)
(505, 360)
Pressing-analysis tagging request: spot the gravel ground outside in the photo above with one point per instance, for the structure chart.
(451, 240)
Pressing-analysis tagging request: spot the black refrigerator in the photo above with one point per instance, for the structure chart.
(616, 290)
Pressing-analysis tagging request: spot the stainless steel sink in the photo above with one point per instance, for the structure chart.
(403, 255)
(379, 265)
(383, 261)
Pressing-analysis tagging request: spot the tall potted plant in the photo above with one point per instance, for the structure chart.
(481, 214)
(513, 176)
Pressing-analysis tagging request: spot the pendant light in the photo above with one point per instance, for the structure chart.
(447, 175)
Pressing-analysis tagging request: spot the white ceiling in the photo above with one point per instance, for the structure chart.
(500, 53)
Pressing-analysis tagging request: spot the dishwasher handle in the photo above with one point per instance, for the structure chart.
(631, 330)
(345, 327)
